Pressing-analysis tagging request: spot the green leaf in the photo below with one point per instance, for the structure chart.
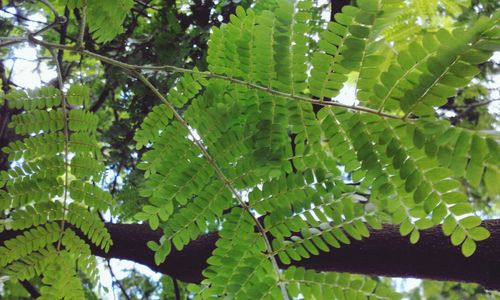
(415, 236)
(406, 227)
(470, 222)
(461, 209)
(468, 247)
(479, 233)
(458, 236)
(449, 225)
(154, 222)
(153, 245)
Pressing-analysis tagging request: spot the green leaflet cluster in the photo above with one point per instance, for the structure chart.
(433, 14)
(467, 154)
(50, 191)
(242, 146)
(430, 71)
(328, 74)
(313, 285)
(348, 45)
(188, 86)
(238, 269)
(388, 92)
(377, 53)
(308, 213)
(394, 164)
(193, 198)
(437, 195)
(290, 165)
(104, 19)
(59, 283)
(271, 49)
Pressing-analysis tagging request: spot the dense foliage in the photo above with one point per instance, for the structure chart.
(250, 140)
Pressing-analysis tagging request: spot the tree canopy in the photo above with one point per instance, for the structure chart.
(269, 149)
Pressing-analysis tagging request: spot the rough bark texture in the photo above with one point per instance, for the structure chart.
(385, 253)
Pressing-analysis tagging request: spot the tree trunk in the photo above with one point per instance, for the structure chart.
(384, 253)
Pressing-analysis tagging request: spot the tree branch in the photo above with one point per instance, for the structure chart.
(30, 289)
(336, 7)
(384, 253)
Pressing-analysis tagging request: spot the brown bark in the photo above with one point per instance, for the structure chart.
(336, 7)
(384, 253)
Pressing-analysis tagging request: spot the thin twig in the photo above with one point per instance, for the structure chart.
(469, 108)
(271, 91)
(81, 30)
(176, 289)
(51, 7)
(117, 282)
(66, 146)
(14, 58)
(62, 40)
(113, 188)
(57, 18)
(22, 17)
(45, 28)
(477, 104)
(221, 176)
(174, 69)
(8, 41)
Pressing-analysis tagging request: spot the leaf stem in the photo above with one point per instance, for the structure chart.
(220, 174)
(51, 7)
(174, 69)
(81, 29)
(66, 142)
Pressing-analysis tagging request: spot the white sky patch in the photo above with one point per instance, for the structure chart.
(494, 86)
(406, 284)
(120, 269)
(347, 95)
(325, 15)
(28, 72)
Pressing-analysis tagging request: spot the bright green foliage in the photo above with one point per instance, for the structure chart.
(462, 50)
(50, 190)
(36, 99)
(59, 284)
(104, 18)
(374, 54)
(451, 291)
(328, 75)
(432, 14)
(312, 285)
(237, 268)
(296, 204)
(466, 153)
(160, 115)
(31, 240)
(239, 149)
(442, 62)
(268, 143)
